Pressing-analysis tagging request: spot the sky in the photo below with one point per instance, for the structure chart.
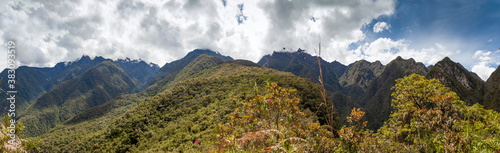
(50, 31)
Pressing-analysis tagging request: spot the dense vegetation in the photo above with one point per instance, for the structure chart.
(192, 110)
(65, 135)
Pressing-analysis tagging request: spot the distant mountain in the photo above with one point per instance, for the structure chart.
(377, 99)
(361, 73)
(139, 69)
(178, 65)
(492, 91)
(306, 66)
(94, 87)
(32, 82)
(466, 84)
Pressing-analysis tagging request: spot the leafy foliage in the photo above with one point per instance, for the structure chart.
(273, 122)
(427, 117)
(28, 145)
(430, 117)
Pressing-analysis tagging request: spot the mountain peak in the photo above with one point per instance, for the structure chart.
(446, 59)
(454, 76)
(209, 52)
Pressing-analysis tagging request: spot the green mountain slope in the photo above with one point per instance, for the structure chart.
(454, 76)
(192, 109)
(64, 136)
(377, 99)
(178, 65)
(32, 82)
(361, 73)
(94, 87)
(492, 91)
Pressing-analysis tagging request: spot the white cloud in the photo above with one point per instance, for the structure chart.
(482, 66)
(385, 50)
(380, 26)
(51, 31)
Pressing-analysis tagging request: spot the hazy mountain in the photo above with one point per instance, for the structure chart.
(94, 87)
(492, 91)
(138, 69)
(453, 75)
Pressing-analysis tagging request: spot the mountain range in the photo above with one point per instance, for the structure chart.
(130, 105)
(368, 84)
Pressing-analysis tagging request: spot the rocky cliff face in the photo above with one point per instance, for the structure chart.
(492, 91)
(377, 99)
(361, 73)
(466, 84)
(306, 66)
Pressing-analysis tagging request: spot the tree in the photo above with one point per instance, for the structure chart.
(429, 117)
(352, 137)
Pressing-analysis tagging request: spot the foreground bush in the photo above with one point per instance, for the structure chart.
(273, 122)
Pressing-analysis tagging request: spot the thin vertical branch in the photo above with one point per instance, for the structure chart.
(330, 119)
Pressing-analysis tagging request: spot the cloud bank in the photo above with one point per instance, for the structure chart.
(51, 31)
